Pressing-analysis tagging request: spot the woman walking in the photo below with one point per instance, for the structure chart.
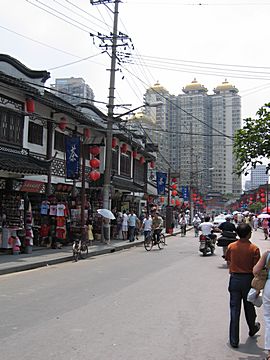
(264, 262)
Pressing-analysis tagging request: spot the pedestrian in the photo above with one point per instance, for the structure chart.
(125, 225)
(265, 227)
(183, 223)
(266, 300)
(241, 257)
(196, 223)
(255, 222)
(132, 222)
(147, 226)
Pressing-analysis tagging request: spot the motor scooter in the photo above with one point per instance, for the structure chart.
(207, 244)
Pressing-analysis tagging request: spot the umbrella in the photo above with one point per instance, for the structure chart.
(266, 209)
(106, 213)
(235, 212)
(264, 216)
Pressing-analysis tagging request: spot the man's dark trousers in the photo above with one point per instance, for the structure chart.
(239, 287)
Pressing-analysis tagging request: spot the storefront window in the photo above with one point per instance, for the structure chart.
(115, 153)
(139, 172)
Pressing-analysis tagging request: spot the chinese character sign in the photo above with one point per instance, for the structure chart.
(185, 193)
(73, 157)
(161, 183)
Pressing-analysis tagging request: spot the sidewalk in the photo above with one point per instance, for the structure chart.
(39, 258)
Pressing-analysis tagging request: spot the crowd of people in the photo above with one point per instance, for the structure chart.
(128, 225)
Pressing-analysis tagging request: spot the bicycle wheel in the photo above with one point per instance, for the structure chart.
(148, 243)
(162, 241)
(83, 251)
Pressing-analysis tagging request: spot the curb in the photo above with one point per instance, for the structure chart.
(106, 250)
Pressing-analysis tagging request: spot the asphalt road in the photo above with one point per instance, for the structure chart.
(169, 304)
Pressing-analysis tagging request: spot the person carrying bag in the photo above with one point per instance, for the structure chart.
(262, 268)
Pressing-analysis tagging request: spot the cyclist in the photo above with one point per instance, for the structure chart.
(157, 226)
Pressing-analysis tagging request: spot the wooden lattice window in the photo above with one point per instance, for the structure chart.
(59, 141)
(11, 127)
(125, 164)
(35, 133)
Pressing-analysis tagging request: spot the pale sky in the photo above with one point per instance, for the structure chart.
(175, 41)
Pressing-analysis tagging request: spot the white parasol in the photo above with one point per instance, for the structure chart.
(264, 216)
(106, 213)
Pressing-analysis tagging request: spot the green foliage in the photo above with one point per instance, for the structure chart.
(256, 207)
(252, 143)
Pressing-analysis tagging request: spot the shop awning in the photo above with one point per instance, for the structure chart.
(126, 184)
(21, 162)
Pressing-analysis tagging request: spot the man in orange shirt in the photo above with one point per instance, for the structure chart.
(241, 256)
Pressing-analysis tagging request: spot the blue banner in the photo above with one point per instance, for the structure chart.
(161, 183)
(73, 157)
(185, 193)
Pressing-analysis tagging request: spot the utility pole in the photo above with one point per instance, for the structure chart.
(112, 40)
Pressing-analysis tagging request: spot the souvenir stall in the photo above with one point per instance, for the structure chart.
(54, 217)
(12, 218)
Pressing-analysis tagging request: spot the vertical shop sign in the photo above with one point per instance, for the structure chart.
(161, 182)
(73, 157)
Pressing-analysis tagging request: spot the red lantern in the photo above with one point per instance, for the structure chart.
(63, 123)
(114, 142)
(94, 175)
(174, 193)
(94, 150)
(174, 180)
(177, 202)
(95, 163)
(124, 148)
(142, 160)
(152, 164)
(134, 154)
(172, 201)
(30, 105)
(263, 200)
(174, 186)
(87, 133)
(161, 199)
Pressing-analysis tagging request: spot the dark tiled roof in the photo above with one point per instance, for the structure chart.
(22, 164)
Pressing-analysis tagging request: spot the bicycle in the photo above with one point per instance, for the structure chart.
(80, 250)
(149, 242)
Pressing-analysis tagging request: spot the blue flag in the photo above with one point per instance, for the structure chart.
(73, 157)
(161, 183)
(185, 193)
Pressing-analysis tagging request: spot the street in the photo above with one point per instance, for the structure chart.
(169, 304)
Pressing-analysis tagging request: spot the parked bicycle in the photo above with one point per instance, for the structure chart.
(80, 249)
(150, 241)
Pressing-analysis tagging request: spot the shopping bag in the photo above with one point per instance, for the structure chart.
(254, 298)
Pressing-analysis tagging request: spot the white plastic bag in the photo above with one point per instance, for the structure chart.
(254, 298)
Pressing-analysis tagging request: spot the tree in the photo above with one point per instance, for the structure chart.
(252, 142)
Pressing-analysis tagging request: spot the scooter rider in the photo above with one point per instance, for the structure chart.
(228, 234)
(207, 228)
